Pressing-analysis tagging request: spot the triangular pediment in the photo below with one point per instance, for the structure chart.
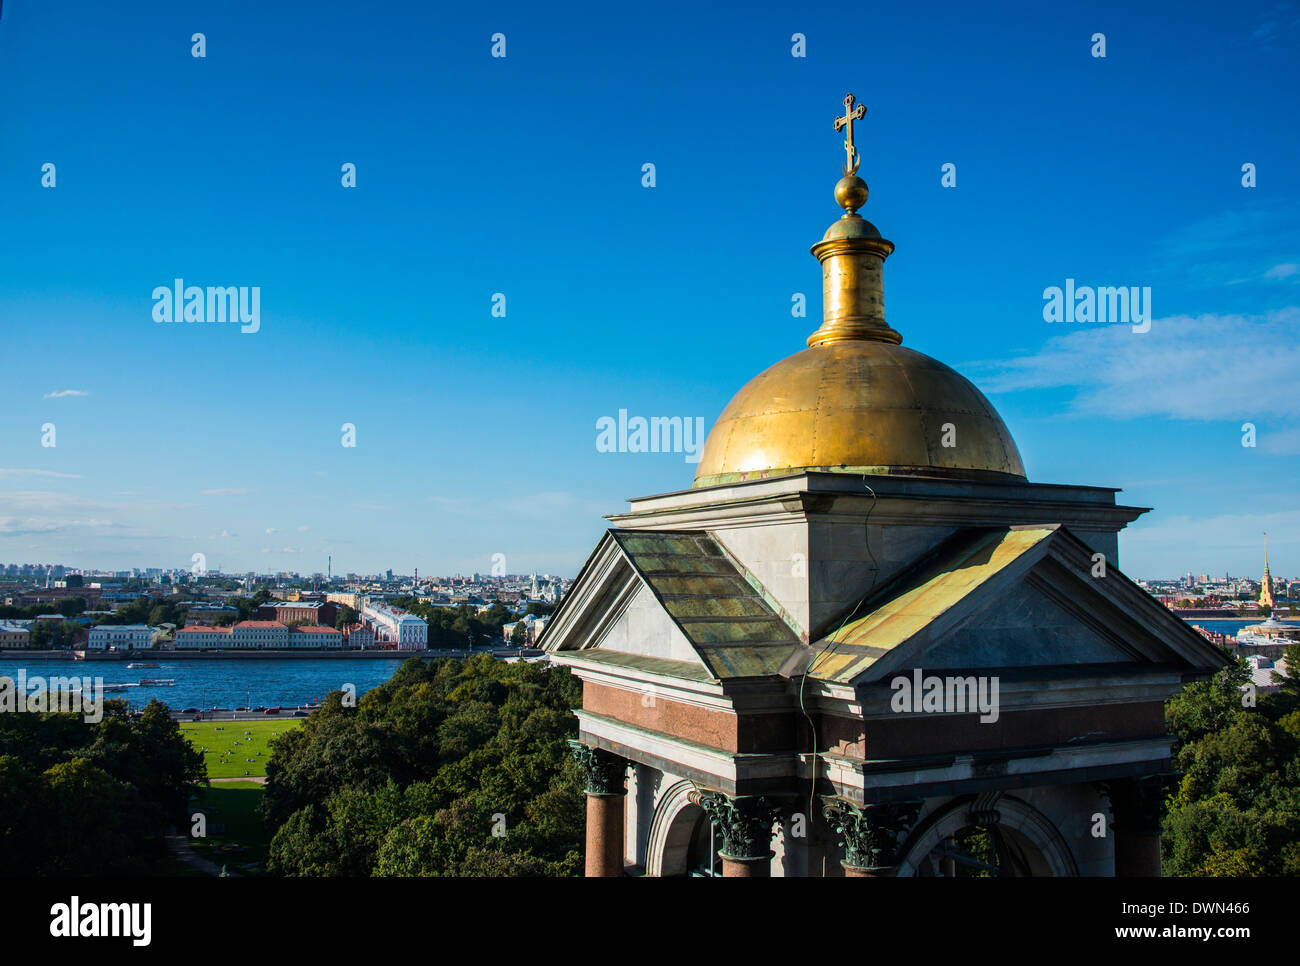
(1025, 597)
(675, 601)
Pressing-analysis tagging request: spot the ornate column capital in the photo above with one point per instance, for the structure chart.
(870, 834)
(745, 823)
(605, 772)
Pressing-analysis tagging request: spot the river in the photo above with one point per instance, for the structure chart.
(238, 683)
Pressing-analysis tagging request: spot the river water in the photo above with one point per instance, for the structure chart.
(266, 682)
(236, 683)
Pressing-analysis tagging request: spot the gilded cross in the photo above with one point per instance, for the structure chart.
(851, 114)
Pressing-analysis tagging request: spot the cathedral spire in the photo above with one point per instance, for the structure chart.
(1266, 584)
(852, 255)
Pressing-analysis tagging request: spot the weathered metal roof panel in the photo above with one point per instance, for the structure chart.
(730, 623)
(905, 609)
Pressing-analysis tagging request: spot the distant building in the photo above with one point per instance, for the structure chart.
(395, 626)
(13, 635)
(259, 635)
(358, 635)
(210, 613)
(298, 611)
(1266, 584)
(533, 628)
(202, 637)
(315, 637)
(120, 637)
(1261, 671)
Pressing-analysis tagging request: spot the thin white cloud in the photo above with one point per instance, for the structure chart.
(1232, 247)
(62, 393)
(1229, 536)
(229, 491)
(1211, 367)
(5, 473)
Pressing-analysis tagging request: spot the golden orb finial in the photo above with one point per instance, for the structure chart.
(851, 193)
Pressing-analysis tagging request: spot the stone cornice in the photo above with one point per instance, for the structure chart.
(702, 764)
(897, 500)
(1020, 689)
(953, 774)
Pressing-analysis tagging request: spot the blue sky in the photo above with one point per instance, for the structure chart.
(522, 175)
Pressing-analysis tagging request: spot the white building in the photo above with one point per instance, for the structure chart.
(395, 626)
(358, 635)
(259, 635)
(120, 637)
(14, 634)
(201, 636)
(315, 637)
(533, 626)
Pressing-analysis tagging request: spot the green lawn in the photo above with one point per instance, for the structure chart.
(228, 746)
(236, 838)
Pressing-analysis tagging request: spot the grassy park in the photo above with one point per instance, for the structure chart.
(236, 838)
(235, 749)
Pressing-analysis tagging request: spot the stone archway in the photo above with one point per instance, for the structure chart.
(671, 829)
(1045, 851)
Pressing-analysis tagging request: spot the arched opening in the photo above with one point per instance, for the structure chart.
(1016, 840)
(983, 851)
(683, 841)
(702, 857)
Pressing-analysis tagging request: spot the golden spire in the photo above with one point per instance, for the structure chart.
(852, 255)
(1266, 584)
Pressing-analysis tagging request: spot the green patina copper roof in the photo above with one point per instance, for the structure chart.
(733, 625)
(640, 662)
(909, 604)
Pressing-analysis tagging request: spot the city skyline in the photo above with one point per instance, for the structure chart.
(478, 434)
(390, 574)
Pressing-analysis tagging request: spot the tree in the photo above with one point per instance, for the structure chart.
(450, 768)
(1237, 808)
(1290, 681)
(92, 798)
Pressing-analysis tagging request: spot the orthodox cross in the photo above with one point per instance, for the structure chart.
(851, 114)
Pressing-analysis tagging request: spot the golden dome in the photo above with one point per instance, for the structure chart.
(859, 407)
(856, 401)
